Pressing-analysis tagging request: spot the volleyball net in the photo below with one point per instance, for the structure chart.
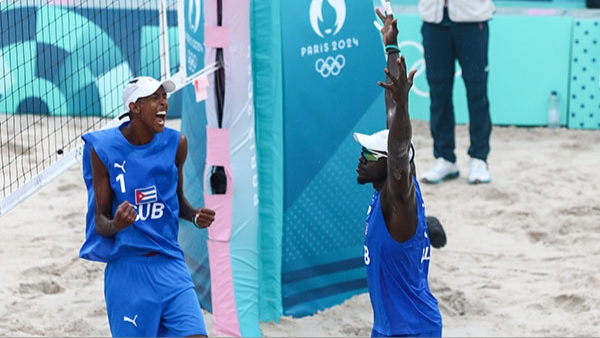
(63, 67)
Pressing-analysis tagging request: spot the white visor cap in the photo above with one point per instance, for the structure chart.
(377, 142)
(141, 87)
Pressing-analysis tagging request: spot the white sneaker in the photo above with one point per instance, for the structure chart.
(441, 171)
(478, 172)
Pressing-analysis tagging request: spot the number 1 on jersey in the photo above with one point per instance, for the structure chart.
(121, 180)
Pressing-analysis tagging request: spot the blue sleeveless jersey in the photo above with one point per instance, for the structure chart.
(397, 275)
(146, 176)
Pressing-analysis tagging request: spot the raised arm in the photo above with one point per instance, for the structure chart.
(389, 35)
(399, 191)
(399, 124)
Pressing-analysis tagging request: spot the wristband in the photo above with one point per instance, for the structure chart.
(394, 47)
(194, 221)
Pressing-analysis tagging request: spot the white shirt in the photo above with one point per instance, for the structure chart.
(459, 10)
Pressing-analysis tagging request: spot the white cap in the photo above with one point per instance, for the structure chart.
(141, 87)
(378, 142)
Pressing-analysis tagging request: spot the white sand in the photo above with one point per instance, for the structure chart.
(521, 259)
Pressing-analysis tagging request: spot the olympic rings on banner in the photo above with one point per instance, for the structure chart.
(330, 65)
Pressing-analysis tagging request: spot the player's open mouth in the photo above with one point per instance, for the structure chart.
(161, 116)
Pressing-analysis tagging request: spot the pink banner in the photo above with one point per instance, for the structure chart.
(216, 36)
(219, 235)
(225, 317)
(234, 148)
(217, 145)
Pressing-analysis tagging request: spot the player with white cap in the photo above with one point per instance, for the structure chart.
(134, 177)
(397, 243)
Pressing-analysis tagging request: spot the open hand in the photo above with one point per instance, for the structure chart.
(389, 31)
(399, 86)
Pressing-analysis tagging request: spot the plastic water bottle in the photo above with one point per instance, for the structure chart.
(553, 111)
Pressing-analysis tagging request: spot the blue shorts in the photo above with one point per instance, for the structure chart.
(437, 333)
(151, 297)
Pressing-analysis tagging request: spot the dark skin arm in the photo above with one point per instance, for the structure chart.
(389, 34)
(125, 215)
(204, 217)
(398, 193)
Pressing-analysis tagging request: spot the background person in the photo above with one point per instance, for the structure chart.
(457, 30)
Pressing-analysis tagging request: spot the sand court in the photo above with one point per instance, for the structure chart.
(521, 257)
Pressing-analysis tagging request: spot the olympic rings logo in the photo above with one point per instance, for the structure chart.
(330, 65)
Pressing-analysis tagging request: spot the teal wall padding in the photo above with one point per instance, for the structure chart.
(584, 102)
(265, 27)
(523, 48)
(529, 58)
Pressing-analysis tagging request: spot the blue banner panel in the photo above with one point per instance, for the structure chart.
(332, 59)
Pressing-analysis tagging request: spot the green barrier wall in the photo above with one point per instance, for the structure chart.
(529, 57)
(533, 51)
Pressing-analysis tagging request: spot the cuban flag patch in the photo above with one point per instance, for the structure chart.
(145, 195)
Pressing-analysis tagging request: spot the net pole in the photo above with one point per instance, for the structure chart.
(164, 41)
(181, 31)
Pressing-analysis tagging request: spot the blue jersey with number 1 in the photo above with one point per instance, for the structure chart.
(145, 176)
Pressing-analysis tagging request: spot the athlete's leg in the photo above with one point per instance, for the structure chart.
(181, 312)
(131, 301)
(183, 317)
